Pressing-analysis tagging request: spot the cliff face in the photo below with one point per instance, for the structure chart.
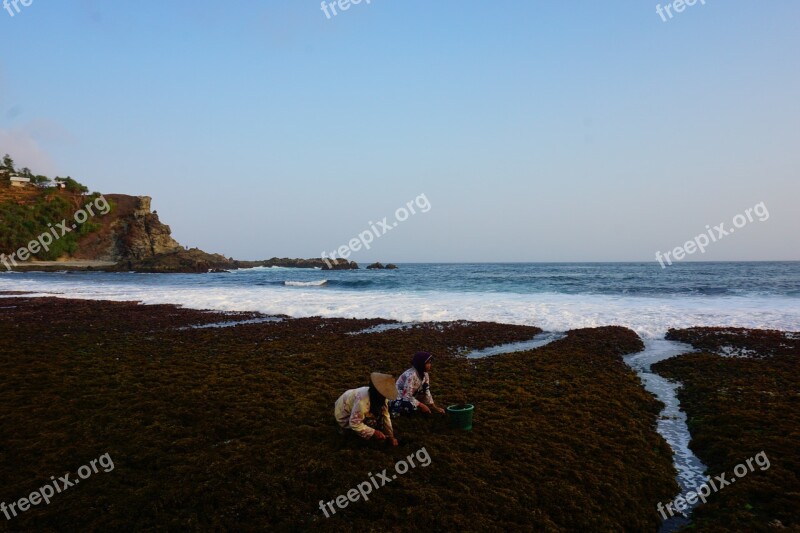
(131, 231)
(143, 235)
(132, 236)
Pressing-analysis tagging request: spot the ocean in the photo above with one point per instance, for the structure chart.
(553, 296)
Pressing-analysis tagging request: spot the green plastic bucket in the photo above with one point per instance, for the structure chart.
(461, 416)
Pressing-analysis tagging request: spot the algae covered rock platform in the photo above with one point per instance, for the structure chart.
(231, 428)
(741, 393)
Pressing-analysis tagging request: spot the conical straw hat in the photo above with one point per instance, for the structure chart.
(385, 385)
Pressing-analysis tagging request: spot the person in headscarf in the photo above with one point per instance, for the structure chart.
(365, 410)
(414, 388)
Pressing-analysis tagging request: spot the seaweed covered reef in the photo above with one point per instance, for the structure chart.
(232, 428)
(741, 394)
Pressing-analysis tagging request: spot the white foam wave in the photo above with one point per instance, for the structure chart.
(650, 317)
(305, 283)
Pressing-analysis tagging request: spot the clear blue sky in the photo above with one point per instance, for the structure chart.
(539, 131)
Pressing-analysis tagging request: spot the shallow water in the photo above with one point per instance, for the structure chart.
(672, 422)
(233, 323)
(380, 328)
(538, 341)
(554, 297)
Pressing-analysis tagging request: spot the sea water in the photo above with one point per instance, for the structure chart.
(553, 296)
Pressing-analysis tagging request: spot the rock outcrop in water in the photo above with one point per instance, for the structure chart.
(194, 261)
(285, 262)
(379, 266)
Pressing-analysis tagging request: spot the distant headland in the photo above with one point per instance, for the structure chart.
(56, 225)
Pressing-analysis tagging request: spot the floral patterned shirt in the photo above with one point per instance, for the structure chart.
(409, 386)
(352, 410)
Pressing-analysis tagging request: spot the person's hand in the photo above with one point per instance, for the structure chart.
(378, 435)
(424, 408)
(394, 442)
(439, 410)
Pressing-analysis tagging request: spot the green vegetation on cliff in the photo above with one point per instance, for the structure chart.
(27, 212)
(22, 224)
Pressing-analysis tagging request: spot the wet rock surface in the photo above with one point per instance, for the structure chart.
(739, 342)
(192, 261)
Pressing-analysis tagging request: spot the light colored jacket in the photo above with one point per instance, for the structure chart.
(410, 386)
(352, 408)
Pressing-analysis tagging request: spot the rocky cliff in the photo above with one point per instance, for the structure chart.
(132, 237)
(130, 232)
(124, 235)
(143, 235)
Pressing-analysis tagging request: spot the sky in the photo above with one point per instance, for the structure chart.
(535, 131)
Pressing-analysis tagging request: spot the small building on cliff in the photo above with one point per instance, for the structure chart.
(19, 181)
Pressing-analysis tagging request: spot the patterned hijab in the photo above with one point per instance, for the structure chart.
(419, 361)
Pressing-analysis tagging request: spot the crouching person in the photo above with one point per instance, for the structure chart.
(414, 388)
(365, 410)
